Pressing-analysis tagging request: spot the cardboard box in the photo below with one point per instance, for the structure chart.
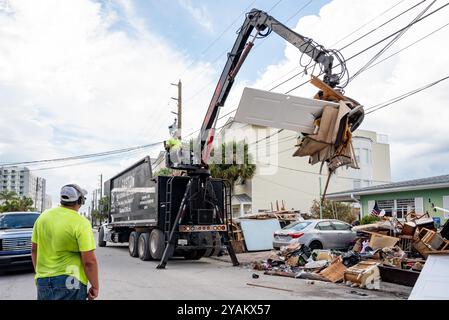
(379, 241)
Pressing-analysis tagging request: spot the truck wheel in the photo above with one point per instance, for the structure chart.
(157, 244)
(101, 242)
(143, 247)
(133, 244)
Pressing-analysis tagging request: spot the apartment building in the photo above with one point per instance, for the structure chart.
(24, 183)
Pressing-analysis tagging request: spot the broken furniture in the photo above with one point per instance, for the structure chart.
(335, 271)
(379, 241)
(399, 276)
(431, 238)
(365, 274)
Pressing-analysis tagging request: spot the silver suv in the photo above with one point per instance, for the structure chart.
(16, 229)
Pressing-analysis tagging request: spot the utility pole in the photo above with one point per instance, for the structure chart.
(37, 189)
(101, 185)
(179, 113)
(321, 200)
(101, 196)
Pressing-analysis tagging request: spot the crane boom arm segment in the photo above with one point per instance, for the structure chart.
(259, 21)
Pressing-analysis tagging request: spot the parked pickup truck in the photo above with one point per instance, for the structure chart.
(16, 229)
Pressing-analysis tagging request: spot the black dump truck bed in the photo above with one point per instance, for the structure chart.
(137, 199)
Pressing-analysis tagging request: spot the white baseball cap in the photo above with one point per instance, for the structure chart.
(72, 192)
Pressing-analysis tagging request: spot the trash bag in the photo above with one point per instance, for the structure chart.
(350, 258)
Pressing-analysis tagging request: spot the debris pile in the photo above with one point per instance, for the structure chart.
(389, 250)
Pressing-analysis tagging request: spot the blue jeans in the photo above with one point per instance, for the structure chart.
(60, 288)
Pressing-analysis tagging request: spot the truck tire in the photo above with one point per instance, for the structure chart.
(143, 247)
(157, 244)
(101, 242)
(133, 244)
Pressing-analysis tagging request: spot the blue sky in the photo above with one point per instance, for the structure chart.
(197, 38)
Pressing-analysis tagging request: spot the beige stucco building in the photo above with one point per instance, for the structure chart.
(282, 177)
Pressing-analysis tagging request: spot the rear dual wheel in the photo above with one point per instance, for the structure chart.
(151, 245)
(133, 244)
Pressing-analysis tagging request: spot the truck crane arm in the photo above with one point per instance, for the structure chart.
(258, 24)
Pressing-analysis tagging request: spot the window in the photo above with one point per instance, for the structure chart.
(365, 156)
(341, 226)
(326, 225)
(387, 205)
(357, 154)
(297, 226)
(404, 206)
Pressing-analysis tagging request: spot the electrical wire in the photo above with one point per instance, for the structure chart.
(377, 43)
(105, 159)
(403, 96)
(84, 156)
(389, 44)
(351, 43)
(219, 37)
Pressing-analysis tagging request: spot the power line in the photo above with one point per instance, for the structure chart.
(257, 45)
(107, 158)
(377, 43)
(389, 44)
(316, 173)
(350, 44)
(84, 156)
(275, 5)
(404, 96)
(383, 24)
(219, 36)
(365, 24)
(408, 46)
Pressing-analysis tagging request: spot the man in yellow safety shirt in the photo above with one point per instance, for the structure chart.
(63, 250)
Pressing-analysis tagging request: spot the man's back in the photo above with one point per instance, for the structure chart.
(61, 234)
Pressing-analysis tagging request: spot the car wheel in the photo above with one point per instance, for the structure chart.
(133, 244)
(101, 242)
(315, 245)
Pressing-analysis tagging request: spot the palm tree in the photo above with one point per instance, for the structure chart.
(25, 204)
(7, 195)
(11, 202)
(233, 171)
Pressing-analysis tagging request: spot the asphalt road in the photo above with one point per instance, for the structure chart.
(123, 277)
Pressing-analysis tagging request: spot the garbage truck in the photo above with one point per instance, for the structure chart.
(142, 208)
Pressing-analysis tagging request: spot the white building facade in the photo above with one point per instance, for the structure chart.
(281, 177)
(24, 183)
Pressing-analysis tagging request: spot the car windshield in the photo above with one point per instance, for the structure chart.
(17, 221)
(297, 226)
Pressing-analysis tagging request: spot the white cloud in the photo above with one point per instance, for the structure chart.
(199, 13)
(72, 84)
